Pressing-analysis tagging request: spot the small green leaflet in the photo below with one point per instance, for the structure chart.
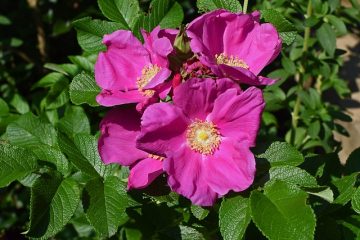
(83, 89)
(91, 31)
(210, 5)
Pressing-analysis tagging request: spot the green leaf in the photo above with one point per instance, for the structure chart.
(29, 131)
(355, 201)
(338, 24)
(285, 28)
(82, 225)
(57, 96)
(83, 89)
(189, 233)
(281, 153)
(274, 98)
(74, 121)
(166, 13)
(53, 202)
(210, 5)
(133, 234)
(288, 65)
(106, 205)
(48, 80)
(323, 192)
(83, 62)
(52, 155)
(90, 32)
(4, 108)
(281, 213)
(4, 20)
(199, 212)
(66, 69)
(125, 12)
(15, 163)
(327, 38)
(19, 103)
(83, 153)
(292, 175)
(346, 188)
(234, 217)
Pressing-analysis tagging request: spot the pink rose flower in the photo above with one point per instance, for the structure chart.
(206, 135)
(130, 72)
(117, 144)
(235, 45)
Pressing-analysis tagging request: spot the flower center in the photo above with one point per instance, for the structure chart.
(203, 137)
(156, 157)
(231, 60)
(147, 73)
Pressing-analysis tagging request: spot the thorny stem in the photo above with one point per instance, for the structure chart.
(245, 6)
(295, 113)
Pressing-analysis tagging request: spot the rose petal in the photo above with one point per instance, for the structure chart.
(196, 96)
(119, 67)
(112, 98)
(117, 142)
(187, 176)
(232, 167)
(144, 172)
(163, 128)
(239, 115)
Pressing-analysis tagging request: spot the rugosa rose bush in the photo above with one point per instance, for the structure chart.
(202, 139)
(201, 122)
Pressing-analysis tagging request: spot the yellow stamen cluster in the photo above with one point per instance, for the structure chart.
(231, 60)
(156, 157)
(203, 137)
(147, 73)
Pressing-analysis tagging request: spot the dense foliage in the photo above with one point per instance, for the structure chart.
(53, 182)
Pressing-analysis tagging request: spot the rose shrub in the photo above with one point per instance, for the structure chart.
(179, 120)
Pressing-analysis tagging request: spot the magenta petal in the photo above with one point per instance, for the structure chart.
(117, 142)
(239, 115)
(168, 33)
(163, 128)
(112, 98)
(262, 46)
(187, 176)
(113, 70)
(243, 75)
(197, 30)
(232, 167)
(196, 96)
(159, 78)
(158, 47)
(164, 89)
(144, 172)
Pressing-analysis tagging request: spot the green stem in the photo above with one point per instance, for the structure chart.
(245, 6)
(296, 111)
(307, 29)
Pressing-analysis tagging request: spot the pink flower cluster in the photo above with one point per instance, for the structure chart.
(192, 120)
